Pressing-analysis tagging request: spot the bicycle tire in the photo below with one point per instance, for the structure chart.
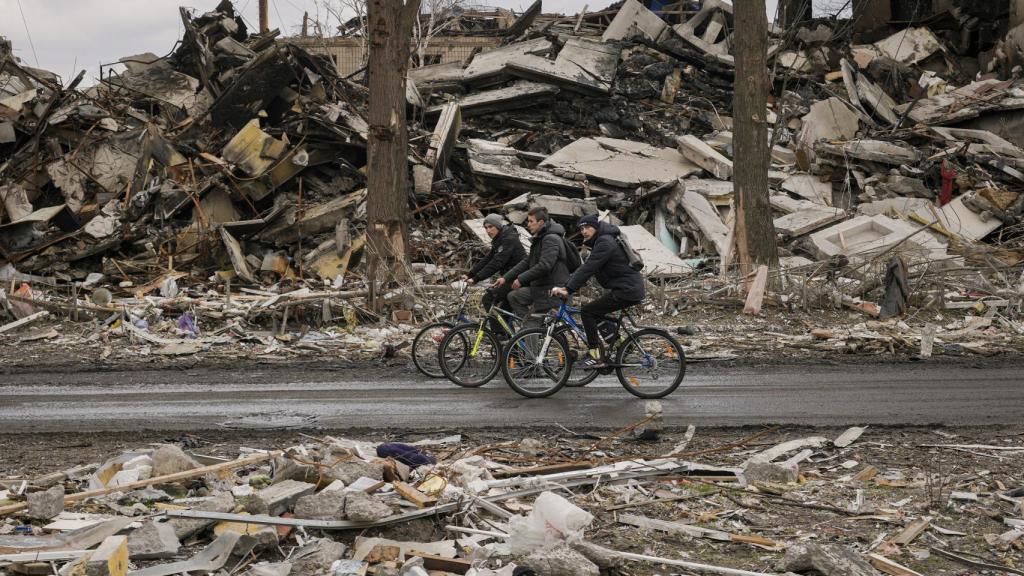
(460, 365)
(669, 349)
(424, 359)
(578, 350)
(518, 363)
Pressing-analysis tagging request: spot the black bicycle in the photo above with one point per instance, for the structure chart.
(648, 362)
(427, 341)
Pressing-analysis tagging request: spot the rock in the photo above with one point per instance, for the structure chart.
(185, 527)
(602, 557)
(153, 541)
(531, 446)
(324, 505)
(169, 459)
(651, 430)
(47, 504)
(361, 507)
(560, 561)
(279, 498)
(829, 560)
(350, 471)
(773, 472)
(288, 469)
(315, 558)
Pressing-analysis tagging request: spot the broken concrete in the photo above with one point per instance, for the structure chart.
(326, 504)
(46, 504)
(169, 459)
(153, 541)
(621, 163)
(281, 497)
(363, 507)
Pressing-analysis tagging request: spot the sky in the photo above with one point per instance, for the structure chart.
(65, 36)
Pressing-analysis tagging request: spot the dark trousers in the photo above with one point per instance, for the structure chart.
(496, 296)
(592, 312)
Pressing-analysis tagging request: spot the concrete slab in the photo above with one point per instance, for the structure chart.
(498, 166)
(557, 206)
(632, 18)
(623, 163)
(707, 219)
(803, 222)
(809, 187)
(829, 120)
(582, 65)
(444, 137)
(864, 237)
(714, 39)
(895, 207)
(280, 497)
(659, 261)
(489, 66)
(872, 151)
(718, 192)
(875, 98)
(961, 221)
(522, 94)
(700, 153)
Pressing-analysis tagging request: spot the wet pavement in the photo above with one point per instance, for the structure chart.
(712, 395)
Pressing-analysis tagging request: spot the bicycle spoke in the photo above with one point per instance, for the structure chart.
(650, 364)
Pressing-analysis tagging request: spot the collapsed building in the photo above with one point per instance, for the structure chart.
(236, 165)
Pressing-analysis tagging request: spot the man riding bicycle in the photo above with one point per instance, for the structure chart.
(608, 263)
(506, 252)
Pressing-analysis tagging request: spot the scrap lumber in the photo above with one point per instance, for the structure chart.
(24, 321)
(167, 478)
(413, 495)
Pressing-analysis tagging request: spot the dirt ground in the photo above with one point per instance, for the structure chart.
(958, 487)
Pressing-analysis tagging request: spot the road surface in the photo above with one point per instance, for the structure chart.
(269, 397)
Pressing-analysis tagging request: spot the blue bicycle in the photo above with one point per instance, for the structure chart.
(648, 362)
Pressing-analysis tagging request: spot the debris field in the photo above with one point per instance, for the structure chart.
(639, 500)
(215, 197)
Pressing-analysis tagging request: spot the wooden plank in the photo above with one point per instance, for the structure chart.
(913, 530)
(413, 495)
(453, 565)
(24, 321)
(167, 478)
(755, 295)
(888, 566)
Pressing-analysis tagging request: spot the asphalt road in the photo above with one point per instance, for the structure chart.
(711, 395)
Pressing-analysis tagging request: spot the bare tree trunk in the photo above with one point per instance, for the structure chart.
(755, 232)
(387, 205)
(792, 12)
(264, 20)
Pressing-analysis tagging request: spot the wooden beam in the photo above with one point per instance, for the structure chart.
(187, 474)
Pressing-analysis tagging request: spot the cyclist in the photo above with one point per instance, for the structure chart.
(544, 268)
(506, 252)
(607, 262)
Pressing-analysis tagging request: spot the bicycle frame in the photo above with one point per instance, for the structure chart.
(499, 315)
(564, 316)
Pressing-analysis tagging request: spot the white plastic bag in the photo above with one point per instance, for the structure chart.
(552, 520)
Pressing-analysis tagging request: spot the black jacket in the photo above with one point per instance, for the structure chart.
(607, 262)
(545, 267)
(506, 252)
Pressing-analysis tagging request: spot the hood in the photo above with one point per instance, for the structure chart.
(550, 227)
(603, 228)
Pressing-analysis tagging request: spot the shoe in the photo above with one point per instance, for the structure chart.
(592, 363)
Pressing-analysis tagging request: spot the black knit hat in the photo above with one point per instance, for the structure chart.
(588, 220)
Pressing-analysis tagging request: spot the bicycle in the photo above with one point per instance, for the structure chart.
(469, 353)
(538, 361)
(427, 341)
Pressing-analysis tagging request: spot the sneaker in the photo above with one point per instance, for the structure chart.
(592, 363)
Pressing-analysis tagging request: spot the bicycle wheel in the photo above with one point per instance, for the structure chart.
(577, 352)
(469, 356)
(425, 346)
(531, 371)
(650, 363)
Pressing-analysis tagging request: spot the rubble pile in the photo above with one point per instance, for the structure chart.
(855, 501)
(221, 189)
